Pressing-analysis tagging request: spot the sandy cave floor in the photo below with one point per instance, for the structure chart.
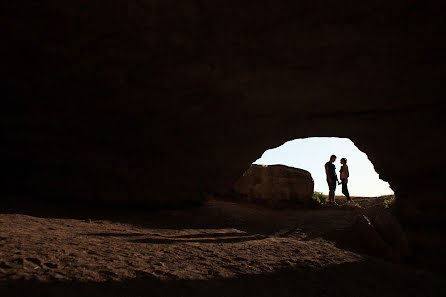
(220, 249)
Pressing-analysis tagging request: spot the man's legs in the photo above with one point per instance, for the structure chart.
(331, 193)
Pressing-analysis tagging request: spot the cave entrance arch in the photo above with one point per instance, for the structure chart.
(310, 154)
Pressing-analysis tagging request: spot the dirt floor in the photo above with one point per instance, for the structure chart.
(221, 249)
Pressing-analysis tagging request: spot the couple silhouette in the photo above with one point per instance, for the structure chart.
(333, 181)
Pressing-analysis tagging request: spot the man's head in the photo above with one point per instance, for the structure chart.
(332, 158)
(343, 161)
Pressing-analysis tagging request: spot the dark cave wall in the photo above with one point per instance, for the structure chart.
(165, 102)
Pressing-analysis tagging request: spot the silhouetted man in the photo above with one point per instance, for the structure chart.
(332, 178)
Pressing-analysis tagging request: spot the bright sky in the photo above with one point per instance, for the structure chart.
(312, 153)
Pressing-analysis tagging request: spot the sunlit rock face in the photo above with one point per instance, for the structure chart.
(275, 185)
(162, 102)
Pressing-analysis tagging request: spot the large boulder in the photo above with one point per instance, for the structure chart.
(275, 184)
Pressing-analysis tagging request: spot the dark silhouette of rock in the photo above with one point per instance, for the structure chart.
(362, 236)
(391, 231)
(275, 185)
(377, 232)
(163, 103)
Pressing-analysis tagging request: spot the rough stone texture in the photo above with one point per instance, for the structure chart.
(165, 102)
(275, 184)
(392, 233)
(366, 238)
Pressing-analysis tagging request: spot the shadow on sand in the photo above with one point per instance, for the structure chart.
(207, 240)
(230, 237)
(193, 216)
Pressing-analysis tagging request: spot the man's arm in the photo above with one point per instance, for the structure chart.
(326, 173)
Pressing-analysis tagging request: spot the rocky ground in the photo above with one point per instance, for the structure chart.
(221, 249)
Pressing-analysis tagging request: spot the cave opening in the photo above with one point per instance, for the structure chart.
(312, 153)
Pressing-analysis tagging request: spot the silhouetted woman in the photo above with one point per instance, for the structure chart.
(344, 178)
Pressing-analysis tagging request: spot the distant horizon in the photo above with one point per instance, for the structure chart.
(312, 153)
